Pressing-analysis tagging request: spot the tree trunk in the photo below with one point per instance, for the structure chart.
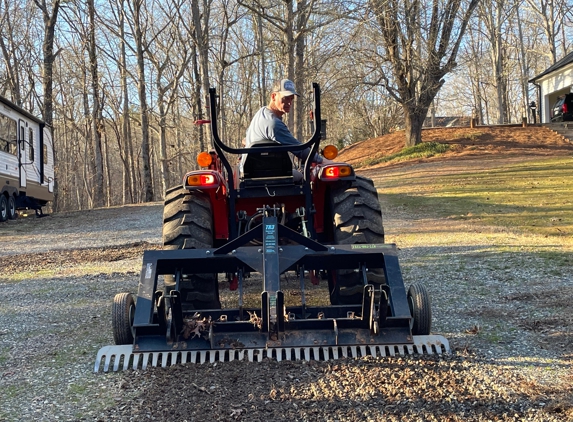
(202, 41)
(50, 21)
(88, 159)
(197, 103)
(289, 45)
(223, 37)
(141, 88)
(413, 123)
(128, 167)
(107, 167)
(98, 190)
(163, 165)
(263, 70)
(300, 74)
(550, 31)
(524, 68)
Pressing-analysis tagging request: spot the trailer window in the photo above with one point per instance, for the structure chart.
(8, 135)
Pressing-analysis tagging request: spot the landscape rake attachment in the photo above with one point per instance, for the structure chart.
(256, 218)
(380, 326)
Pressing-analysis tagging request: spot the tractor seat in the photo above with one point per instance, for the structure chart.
(267, 168)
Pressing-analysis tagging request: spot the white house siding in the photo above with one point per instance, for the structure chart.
(552, 86)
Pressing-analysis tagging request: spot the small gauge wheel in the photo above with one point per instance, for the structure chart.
(420, 309)
(123, 312)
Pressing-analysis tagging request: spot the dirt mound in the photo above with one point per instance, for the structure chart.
(465, 142)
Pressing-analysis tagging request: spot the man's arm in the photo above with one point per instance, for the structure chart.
(283, 136)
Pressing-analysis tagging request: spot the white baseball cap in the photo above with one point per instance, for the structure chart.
(287, 88)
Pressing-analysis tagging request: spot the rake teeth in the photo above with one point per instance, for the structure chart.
(117, 353)
(116, 357)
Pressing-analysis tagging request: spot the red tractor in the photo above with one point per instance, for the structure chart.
(224, 223)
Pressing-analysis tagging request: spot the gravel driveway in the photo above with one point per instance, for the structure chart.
(502, 305)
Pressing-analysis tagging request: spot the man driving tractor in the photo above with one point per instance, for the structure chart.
(267, 124)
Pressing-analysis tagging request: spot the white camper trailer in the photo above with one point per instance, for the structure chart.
(26, 161)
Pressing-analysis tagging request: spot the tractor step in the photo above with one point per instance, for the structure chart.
(122, 357)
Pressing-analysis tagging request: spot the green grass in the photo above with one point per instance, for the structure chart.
(423, 150)
(14, 391)
(76, 390)
(534, 197)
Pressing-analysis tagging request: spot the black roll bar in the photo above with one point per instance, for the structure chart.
(313, 143)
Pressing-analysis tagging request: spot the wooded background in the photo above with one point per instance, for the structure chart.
(123, 81)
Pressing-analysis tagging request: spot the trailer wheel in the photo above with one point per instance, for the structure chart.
(3, 208)
(12, 208)
(122, 313)
(357, 218)
(188, 224)
(420, 309)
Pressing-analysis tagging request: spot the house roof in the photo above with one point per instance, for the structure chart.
(558, 65)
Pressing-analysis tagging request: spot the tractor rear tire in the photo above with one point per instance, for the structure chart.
(420, 309)
(357, 218)
(188, 224)
(122, 313)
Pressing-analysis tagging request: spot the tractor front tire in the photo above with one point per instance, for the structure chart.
(188, 224)
(357, 218)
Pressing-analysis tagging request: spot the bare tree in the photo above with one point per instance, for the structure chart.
(118, 40)
(552, 14)
(198, 27)
(169, 71)
(496, 16)
(201, 19)
(80, 16)
(477, 71)
(524, 64)
(20, 58)
(127, 159)
(50, 15)
(10, 52)
(421, 41)
(97, 125)
(136, 8)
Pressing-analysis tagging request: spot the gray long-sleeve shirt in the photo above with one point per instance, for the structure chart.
(266, 126)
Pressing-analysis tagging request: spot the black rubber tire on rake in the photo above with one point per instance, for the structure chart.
(122, 312)
(420, 309)
(188, 224)
(357, 218)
